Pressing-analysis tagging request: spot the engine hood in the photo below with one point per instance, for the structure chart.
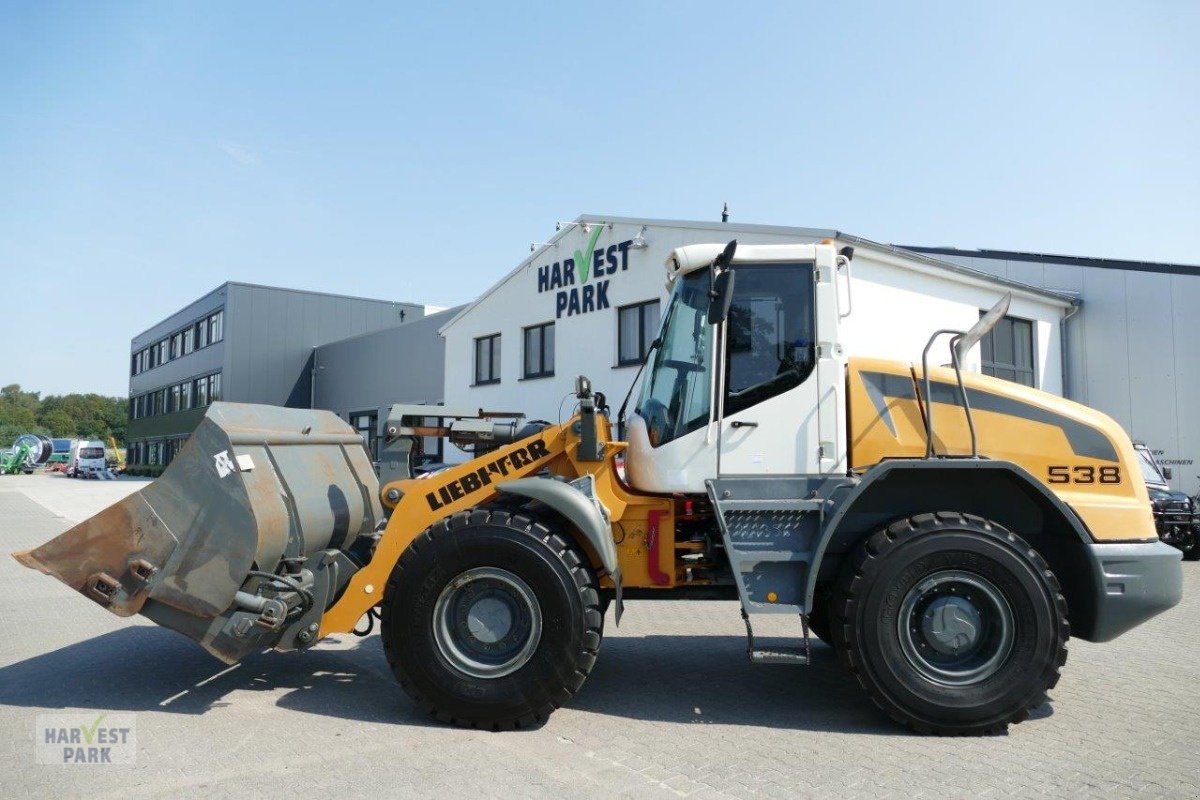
(1080, 454)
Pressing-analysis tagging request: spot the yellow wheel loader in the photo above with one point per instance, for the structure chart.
(945, 532)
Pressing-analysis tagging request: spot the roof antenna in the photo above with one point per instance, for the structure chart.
(725, 213)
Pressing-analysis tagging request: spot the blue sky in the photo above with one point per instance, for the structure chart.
(150, 151)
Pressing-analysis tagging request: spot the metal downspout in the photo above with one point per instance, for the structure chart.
(1064, 353)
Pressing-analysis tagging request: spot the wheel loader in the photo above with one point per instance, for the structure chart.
(945, 532)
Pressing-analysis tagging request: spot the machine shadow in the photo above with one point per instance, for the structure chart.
(666, 678)
(682, 679)
(150, 669)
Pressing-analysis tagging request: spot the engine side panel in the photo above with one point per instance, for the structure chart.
(1080, 454)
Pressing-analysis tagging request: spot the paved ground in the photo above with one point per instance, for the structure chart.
(672, 709)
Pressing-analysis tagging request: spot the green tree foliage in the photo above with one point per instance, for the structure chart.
(69, 416)
(18, 408)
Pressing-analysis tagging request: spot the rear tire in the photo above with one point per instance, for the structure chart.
(491, 620)
(953, 625)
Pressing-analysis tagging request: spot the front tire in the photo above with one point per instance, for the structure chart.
(491, 620)
(952, 624)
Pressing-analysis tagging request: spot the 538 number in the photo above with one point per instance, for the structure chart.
(1084, 474)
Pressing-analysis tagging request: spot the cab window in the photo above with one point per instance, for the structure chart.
(770, 347)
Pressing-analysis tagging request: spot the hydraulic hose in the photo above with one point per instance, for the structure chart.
(306, 598)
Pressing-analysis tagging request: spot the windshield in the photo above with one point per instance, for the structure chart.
(1150, 473)
(676, 394)
(91, 452)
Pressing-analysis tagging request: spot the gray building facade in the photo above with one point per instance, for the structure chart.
(1130, 349)
(359, 378)
(240, 342)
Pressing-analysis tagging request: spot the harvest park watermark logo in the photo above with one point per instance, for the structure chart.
(569, 277)
(86, 739)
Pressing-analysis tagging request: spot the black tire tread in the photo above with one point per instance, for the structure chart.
(585, 582)
(853, 580)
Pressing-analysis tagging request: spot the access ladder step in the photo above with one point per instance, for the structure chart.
(780, 655)
(778, 504)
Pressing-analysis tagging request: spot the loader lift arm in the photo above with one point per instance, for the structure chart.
(424, 501)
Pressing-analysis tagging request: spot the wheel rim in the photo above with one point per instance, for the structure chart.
(955, 628)
(487, 622)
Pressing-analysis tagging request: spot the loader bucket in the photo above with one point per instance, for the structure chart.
(255, 489)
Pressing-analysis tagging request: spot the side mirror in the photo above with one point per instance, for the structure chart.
(1166, 471)
(726, 257)
(722, 297)
(981, 328)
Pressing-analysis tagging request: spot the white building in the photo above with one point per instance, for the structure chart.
(588, 303)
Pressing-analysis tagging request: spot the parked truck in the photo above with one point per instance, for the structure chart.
(946, 532)
(1176, 517)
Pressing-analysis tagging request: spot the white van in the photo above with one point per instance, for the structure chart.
(86, 459)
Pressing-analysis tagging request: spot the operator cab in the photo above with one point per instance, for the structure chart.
(772, 405)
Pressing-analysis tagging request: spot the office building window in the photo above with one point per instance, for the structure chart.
(636, 327)
(487, 359)
(366, 423)
(539, 351)
(207, 390)
(1007, 351)
(186, 339)
(216, 325)
(176, 392)
(201, 392)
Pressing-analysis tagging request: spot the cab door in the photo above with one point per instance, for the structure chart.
(780, 391)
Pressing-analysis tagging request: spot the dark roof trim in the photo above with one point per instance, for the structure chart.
(1076, 261)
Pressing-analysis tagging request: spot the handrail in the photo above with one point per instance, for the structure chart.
(962, 390)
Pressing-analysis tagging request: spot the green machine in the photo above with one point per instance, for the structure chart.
(28, 451)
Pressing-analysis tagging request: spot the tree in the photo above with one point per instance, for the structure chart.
(59, 422)
(9, 433)
(69, 416)
(18, 407)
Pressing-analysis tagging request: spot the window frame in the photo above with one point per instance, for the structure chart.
(371, 445)
(643, 343)
(543, 372)
(734, 402)
(987, 347)
(493, 340)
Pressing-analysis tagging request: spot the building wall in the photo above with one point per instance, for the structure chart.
(401, 364)
(264, 356)
(1130, 349)
(198, 362)
(898, 302)
(204, 361)
(271, 333)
